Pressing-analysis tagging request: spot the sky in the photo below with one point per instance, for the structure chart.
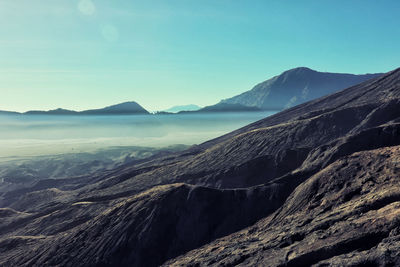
(81, 54)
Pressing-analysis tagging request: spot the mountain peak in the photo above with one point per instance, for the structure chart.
(296, 86)
(300, 69)
(129, 107)
(124, 105)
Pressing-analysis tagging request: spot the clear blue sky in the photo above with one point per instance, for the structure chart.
(92, 53)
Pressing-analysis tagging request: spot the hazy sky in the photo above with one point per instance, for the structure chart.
(92, 53)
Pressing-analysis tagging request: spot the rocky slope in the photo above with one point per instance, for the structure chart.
(294, 87)
(23, 172)
(165, 219)
(346, 214)
(315, 176)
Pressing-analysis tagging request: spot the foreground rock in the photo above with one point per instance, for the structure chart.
(346, 214)
(143, 230)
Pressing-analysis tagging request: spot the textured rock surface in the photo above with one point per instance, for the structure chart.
(165, 219)
(347, 213)
(321, 178)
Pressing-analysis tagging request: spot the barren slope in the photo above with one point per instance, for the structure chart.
(346, 214)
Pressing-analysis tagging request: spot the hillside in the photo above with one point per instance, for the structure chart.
(223, 107)
(123, 108)
(3, 112)
(294, 87)
(314, 184)
(347, 214)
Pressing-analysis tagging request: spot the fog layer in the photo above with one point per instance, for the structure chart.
(22, 136)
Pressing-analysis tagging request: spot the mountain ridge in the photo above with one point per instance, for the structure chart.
(180, 108)
(223, 107)
(296, 86)
(290, 88)
(124, 108)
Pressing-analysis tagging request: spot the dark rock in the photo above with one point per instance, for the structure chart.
(346, 214)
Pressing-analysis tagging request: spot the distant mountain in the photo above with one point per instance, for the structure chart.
(296, 86)
(123, 108)
(119, 109)
(3, 112)
(58, 111)
(224, 107)
(176, 109)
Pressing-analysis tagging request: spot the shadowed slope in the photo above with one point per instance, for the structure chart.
(346, 214)
(148, 228)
